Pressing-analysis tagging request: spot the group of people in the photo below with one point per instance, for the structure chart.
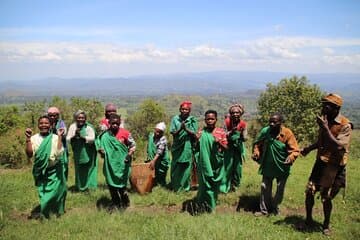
(215, 154)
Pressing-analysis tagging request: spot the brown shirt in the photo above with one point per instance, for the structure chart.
(340, 128)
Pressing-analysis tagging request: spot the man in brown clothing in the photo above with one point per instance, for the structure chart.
(328, 174)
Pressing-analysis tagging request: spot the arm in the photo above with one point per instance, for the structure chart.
(28, 146)
(90, 135)
(292, 148)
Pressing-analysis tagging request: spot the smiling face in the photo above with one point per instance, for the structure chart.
(80, 120)
(235, 114)
(44, 126)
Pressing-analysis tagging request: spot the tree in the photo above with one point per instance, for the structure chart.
(297, 100)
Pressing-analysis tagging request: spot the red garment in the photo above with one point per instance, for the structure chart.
(220, 136)
(229, 126)
(123, 136)
(186, 104)
(105, 122)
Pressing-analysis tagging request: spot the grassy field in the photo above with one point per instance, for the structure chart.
(158, 215)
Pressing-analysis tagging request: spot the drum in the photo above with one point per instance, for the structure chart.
(142, 177)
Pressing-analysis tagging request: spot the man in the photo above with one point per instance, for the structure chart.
(234, 156)
(275, 149)
(328, 174)
(57, 123)
(183, 129)
(110, 108)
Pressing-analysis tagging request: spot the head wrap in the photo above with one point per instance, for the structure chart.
(239, 106)
(333, 98)
(53, 110)
(110, 107)
(78, 112)
(161, 126)
(186, 104)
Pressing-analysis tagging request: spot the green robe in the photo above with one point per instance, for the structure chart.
(85, 161)
(274, 154)
(50, 182)
(233, 160)
(162, 164)
(210, 170)
(116, 169)
(182, 153)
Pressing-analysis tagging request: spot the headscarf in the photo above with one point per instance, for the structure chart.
(53, 110)
(78, 112)
(161, 126)
(333, 98)
(186, 104)
(239, 106)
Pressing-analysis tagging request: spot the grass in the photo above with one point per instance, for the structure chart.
(158, 215)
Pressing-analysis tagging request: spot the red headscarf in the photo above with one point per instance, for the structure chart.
(186, 104)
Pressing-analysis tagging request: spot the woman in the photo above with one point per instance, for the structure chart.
(48, 168)
(236, 131)
(157, 153)
(81, 136)
(183, 129)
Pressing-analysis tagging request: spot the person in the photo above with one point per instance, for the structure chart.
(211, 145)
(110, 108)
(57, 123)
(329, 171)
(275, 149)
(158, 154)
(236, 130)
(81, 136)
(117, 147)
(48, 172)
(183, 128)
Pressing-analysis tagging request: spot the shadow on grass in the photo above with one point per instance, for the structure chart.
(298, 223)
(194, 208)
(249, 203)
(35, 213)
(103, 203)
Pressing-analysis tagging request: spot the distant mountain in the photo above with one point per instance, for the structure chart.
(203, 83)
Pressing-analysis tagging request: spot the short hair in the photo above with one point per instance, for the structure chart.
(44, 116)
(279, 115)
(114, 116)
(211, 111)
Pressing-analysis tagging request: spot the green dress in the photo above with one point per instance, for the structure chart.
(116, 167)
(274, 155)
(50, 181)
(85, 161)
(162, 164)
(234, 157)
(182, 153)
(210, 170)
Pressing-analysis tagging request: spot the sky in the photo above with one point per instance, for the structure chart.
(102, 39)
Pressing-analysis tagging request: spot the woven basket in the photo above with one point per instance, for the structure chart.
(142, 177)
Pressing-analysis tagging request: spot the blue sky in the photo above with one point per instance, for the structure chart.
(40, 39)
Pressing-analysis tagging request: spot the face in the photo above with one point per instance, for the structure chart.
(210, 120)
(329, 109)
(158, 133)
(184, 111)
(80, 120)
(114, 124)
(53, 116)
(109, 112)
(44, 126)
(235, 114)
(274, 122)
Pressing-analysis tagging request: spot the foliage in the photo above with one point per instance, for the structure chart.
(297, 100)
(12, 153)
(9, 118)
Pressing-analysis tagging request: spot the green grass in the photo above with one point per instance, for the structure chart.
(158, 215)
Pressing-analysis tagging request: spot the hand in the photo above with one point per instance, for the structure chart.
(77, 132)
(102, 152)
(183, 125)
(255, 157)
(288, 161)
(60, 131)
(304, 151)
(322, 121)
(152, 165)
(28, 133)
